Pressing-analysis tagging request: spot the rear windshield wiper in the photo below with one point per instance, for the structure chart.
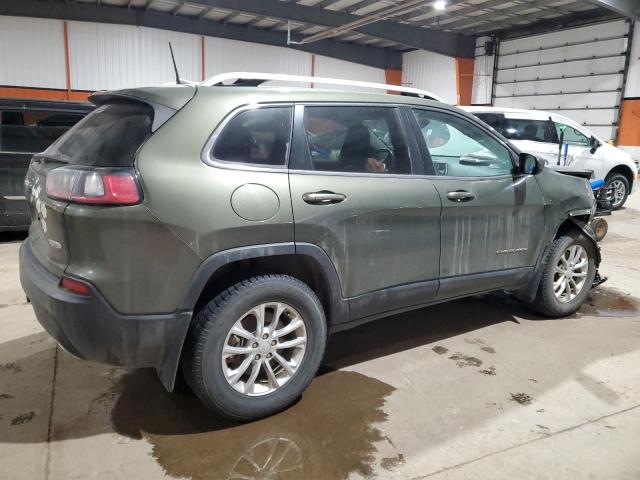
(49, 157)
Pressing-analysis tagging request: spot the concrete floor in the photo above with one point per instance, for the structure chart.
(479, 388)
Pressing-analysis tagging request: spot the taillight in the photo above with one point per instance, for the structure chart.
(94, 186)
(75, 286)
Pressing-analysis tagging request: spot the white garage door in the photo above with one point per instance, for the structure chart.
(577, 73)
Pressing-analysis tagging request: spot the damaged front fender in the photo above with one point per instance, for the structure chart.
(528, 293)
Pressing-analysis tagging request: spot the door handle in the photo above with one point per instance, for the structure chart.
(323, 198)
(460, 196)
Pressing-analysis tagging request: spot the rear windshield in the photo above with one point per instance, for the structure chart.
(107, 137)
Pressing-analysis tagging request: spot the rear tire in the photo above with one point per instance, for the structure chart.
(565, 281)
(228, 336)
(619, 186)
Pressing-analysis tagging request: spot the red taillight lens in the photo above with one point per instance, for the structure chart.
(75, 286)
(93, 186)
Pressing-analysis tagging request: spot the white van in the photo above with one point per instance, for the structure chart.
(539, 133)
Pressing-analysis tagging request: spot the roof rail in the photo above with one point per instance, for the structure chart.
(253, 79)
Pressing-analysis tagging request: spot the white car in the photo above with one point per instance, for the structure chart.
(539, 133)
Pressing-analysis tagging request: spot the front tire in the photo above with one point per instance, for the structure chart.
(618, 185)
(255, 347)
(568, 274)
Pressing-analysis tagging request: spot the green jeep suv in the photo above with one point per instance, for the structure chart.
(227, 230)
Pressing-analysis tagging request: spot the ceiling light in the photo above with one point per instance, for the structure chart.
(440, 5)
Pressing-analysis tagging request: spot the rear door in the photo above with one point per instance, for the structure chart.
(491, 216)
(355, 196)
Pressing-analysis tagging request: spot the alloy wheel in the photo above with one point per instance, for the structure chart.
(619, 191)
(264, 349)
(570, 273)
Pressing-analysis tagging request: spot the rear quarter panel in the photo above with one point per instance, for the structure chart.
(193, 199)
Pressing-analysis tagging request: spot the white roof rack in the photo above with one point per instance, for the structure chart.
(255, 79)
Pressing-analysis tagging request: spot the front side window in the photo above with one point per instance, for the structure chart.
(458, 148)
(32, 131)
(571, 135)
(260, 136)
(358, 139)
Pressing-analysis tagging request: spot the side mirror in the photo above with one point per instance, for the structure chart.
(594, 143)
(530, 164)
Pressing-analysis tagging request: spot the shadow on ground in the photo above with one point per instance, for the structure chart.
(330, 433)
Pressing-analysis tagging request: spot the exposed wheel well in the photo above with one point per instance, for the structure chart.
(623, 170)
(569, 226)
(302, 267)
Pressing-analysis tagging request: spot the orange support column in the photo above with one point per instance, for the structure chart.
(393, 76)
(67, 62)
(629, 128)
(464, 79)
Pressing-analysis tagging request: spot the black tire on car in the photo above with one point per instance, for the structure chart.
(552, 298)
(230, 323)
(618, 185)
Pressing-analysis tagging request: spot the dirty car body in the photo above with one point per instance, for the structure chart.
(366, 204)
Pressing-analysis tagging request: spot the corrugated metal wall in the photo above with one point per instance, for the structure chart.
(575, 72)
(32, 53)
(104, 56)
(334, 68)
(222, 55)
(632, 89)
(629, 132)
(430, 71)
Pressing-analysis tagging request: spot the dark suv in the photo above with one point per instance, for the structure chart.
(28, 127)
(227, 229)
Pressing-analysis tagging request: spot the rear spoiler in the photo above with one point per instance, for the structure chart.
(161, 113)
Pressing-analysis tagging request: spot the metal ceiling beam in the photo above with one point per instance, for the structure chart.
(446, 43)
(86, 12)
(515, 10)
(433, 14)
(626, 8)
(555, 24)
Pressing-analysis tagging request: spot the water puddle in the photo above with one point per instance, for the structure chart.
(608, 302)
(328, 434)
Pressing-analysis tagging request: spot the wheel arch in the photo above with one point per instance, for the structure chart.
(624, 170)
(306, 262)
(567, 224)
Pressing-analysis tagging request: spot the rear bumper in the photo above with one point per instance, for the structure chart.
(89, 328)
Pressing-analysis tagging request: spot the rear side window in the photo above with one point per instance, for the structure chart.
(32, 131)
(526, 129)
(107, 137)
(260, 136)
(494, 120)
